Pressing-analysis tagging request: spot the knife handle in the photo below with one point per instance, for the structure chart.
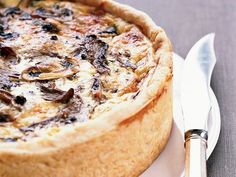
(195, 155)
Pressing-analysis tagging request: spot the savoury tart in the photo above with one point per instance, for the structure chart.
(85, 90)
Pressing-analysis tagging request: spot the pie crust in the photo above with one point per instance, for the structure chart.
(122, 142)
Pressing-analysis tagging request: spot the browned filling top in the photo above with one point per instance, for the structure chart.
(63, 63)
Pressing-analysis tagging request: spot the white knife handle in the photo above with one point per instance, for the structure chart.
(195, 155)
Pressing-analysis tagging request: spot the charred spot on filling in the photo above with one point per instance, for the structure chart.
(33, 73)
(94, 50)
(12, 11)
(49, 27)
(21, 100)
(54, 38)
(9, 35)
(4, 118)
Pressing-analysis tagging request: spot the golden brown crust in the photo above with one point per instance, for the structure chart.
(110, 145)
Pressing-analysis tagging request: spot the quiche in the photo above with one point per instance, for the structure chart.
(85, 89)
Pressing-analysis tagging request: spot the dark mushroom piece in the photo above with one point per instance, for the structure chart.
(94, 50)
(57, 95)
(6, 96)
(21, 100)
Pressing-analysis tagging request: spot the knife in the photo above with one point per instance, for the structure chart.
(196, 104)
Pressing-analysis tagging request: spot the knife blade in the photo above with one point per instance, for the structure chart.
(196, 103)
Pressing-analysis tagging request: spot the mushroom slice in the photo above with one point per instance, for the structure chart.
(6, 52)
(94, 50)
(6, 96)
(57, 95)
(9, 99)
(36, 73)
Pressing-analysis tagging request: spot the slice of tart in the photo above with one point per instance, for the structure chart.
(85, 90)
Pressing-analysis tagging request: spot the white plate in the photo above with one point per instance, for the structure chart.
(171, 161)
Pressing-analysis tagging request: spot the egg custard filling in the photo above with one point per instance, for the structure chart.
(63, 64)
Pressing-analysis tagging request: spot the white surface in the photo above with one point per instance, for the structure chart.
(171, 161)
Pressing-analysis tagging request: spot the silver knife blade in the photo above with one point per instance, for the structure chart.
(195, 83)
